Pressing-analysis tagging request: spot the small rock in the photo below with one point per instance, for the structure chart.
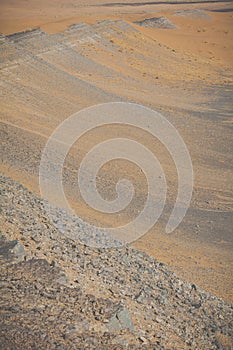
(62, 279)
(18, 250)
(120, 320)
(143, 340)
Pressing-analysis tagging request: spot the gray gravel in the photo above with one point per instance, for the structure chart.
(57, 293)
(157, 22)
(194, 13)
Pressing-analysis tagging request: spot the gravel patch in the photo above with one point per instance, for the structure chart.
(57, 293)
(157, 22)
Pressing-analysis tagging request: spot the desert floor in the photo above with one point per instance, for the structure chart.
(185, 73)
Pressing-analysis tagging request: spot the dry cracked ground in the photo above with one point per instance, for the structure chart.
(58, 58)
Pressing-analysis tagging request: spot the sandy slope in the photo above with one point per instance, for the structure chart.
(184, 73)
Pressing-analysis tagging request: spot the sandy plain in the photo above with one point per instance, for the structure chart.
(186, 74)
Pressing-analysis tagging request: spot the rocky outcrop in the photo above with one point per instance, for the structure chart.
(157, 22)
(61, 294)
